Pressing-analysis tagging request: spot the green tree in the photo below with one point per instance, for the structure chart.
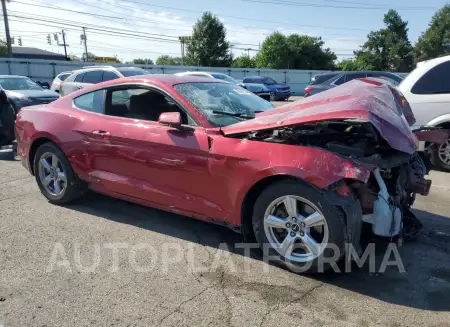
(435, 41)
(3, 49)
(274, 52)
(90, 56)
(389, 48)
(169, 60)
(208, 46)
(353, 64)
(294, 52)
(244, 61)
(140, 61)
(307, 52)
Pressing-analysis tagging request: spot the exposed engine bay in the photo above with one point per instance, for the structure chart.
(396, 178)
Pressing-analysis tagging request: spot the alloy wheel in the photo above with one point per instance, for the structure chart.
(296, 228)
(444, 153)
(52, 175)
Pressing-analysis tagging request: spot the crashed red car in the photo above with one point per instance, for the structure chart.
(297, 178)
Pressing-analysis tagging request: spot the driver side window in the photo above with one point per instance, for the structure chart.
(143, 104)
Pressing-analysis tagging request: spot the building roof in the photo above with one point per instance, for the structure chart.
(34, 52)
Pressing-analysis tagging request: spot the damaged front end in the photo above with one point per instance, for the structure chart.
(396, 176)
(368, 123)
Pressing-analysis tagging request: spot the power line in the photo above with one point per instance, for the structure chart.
(107, 29)
(381, 5)
(318, 5)
(236, 17)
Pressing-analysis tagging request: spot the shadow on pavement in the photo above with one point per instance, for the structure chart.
(424, 285)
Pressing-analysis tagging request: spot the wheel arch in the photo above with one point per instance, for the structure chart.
(33, 148)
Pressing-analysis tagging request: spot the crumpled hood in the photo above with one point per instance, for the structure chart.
(356, 100)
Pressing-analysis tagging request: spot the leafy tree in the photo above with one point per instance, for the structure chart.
(294, 52)
(244, 62)
(208, 46)
(168, 60)
(388, 48)
(307, 52)
(353, 64)
(90, 56)
(435, 41)
(143, 61)
(3, 49)
(274, 52)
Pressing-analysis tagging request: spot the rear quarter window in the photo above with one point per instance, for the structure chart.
(92, 101)
(63, 77)
(435, 81)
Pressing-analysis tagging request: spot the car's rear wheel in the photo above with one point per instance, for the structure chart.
(54, 175)
(441, 156)
(296, 226)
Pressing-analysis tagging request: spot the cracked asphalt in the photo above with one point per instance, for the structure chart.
(106, 262)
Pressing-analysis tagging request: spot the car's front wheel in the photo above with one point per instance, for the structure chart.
(54, 175)
(296, 226)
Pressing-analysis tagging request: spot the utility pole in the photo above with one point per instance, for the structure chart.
(8, 36)
(248, 52)
(85, 43)
(64, 43)
(183, 40)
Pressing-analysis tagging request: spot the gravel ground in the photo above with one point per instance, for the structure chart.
(58, 269)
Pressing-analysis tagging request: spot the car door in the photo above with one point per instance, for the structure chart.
(145, 160)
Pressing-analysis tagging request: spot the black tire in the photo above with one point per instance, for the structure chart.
(74, 188)
(272, 97)
(333, 216)
(437, 162)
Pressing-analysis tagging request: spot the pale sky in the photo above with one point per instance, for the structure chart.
(343, 24)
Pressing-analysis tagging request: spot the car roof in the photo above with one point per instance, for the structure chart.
(165, 79)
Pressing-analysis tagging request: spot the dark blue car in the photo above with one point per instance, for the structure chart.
(278, 91)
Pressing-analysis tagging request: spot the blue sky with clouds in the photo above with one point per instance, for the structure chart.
(343, 24)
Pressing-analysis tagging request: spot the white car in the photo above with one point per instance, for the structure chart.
(57, 81)
(427, 89)
(258, 89)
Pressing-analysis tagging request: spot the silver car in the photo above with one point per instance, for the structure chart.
(58, 80)
(97, 74)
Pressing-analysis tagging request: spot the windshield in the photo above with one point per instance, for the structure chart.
(225, 78)
(319, 79)
(19, 83)
(133, 71)
(212, 98)
(269, 81)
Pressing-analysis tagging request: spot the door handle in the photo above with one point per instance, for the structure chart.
(102, 134)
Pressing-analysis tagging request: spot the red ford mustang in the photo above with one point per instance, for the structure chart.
(297, 178)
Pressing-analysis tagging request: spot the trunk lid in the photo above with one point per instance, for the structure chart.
(356, 100)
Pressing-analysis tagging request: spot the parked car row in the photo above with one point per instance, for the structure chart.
(326, 81)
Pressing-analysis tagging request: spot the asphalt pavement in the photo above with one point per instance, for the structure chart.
(106, 262)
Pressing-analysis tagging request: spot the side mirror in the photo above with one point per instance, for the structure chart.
(170, 119)
(243, 85)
